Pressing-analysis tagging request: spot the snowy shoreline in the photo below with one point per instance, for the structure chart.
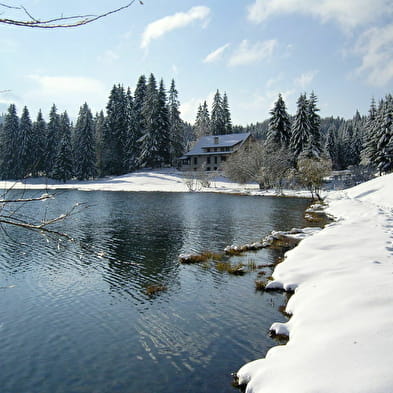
(162, 180)
(342, 309)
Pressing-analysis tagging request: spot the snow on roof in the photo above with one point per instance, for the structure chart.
(210, 141)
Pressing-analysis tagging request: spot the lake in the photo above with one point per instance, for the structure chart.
(75, 316)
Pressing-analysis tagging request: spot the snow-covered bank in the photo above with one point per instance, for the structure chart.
(164, 180)
(342, 310)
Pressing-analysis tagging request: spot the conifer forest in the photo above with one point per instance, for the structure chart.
(144, 129)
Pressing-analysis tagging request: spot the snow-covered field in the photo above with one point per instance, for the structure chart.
(165, 180)
(341, 329)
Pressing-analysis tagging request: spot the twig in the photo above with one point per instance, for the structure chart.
(61, 22)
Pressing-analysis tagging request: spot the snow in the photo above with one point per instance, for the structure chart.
(340, 331)
(164, 180)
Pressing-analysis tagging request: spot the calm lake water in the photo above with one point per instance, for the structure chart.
(76, 318)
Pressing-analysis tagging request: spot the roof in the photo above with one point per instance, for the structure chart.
(228, 140)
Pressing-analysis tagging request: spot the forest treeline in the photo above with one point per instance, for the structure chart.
(144, 128)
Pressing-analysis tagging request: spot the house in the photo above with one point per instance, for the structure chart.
(211, 151)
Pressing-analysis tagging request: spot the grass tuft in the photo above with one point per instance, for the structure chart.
(151, 290)
(260, 285)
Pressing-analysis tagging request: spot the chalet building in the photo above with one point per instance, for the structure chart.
(211, 151)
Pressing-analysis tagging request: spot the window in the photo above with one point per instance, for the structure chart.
(208, 169)
(215, 160)
(208, 160)
(195, 160)
(223, 158)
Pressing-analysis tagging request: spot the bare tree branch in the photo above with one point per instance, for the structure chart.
(60, 22)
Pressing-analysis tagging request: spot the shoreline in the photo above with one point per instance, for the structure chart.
(163, 180)
(339, 330)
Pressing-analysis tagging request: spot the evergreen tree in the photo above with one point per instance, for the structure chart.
(115, 132)
(279, 132)
(139, 101)
(301, 128)
(10, 148)
(217, 121)
(25, 144)
(52, 140)
(99, 126)
(331, 147)
(150, 155)
(369, 143)
(383, 159)
(84, 149)
(163, 132)
(176, 129)
(226, 115)
(63, 165)
(39, 145)
(132, 135)
(315, 125)
(202, 121)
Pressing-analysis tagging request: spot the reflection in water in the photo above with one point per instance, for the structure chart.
(78, 318)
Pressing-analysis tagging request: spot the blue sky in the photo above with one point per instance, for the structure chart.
(252, 49)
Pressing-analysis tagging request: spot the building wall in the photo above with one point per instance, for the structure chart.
(205, 163)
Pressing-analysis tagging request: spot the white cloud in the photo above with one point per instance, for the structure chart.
(181, 19)
(67, 92)
(108, 57)
(216, 54)
(248, 53)
(375, 47)
(305, 79)
(348, 13)
(273, 81)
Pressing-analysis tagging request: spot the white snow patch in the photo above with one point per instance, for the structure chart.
(342, 310)
(157, 180)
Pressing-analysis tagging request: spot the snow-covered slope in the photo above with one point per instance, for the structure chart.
(341, 329)
(165, 180)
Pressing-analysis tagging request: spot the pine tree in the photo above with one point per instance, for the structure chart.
(115, 132)
(301, 128)
(369, 143)
(150, 155)
(39, 145)
(131, 152)
(139, 101)
(279, 131)
(63, 165)
(176, 129)
(202, 121)
(25, 144)
(226, 115)
(52, 139)
(383, 159)
(163, 132)
(10, 148)
(315, 125)
(217, 121)
(84, 149)
(331, 147)
(99, 125)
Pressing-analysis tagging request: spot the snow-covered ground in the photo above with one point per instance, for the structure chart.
(341, 329)
(165, 180)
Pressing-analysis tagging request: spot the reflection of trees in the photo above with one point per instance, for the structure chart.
(140, 235)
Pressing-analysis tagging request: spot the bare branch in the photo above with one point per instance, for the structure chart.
(24, 200)
(60, 22)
